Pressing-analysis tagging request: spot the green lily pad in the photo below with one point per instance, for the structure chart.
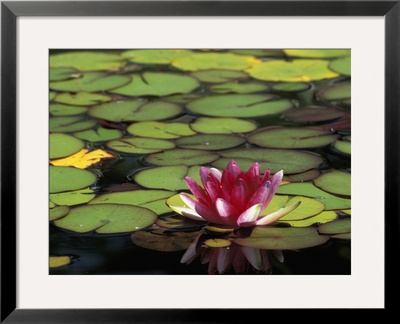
(52, 95)
(210, 141)
(335, 182)
(186, 157)
(157, 84)
(87, 61)
(339, 226)
(219, 76)
(308, 207)
(178, 222)
(341, 65)
(70, 124)
(302, 177)
(308, 189)
(317, 53)
(99, 134)
(58, 212)
(107, 219)
(217, 242)
(182, 98)
(153, 56)
(59, 261)
(135, 110)
(259, 52)
(154, 129)
(167, 177)
(291, 86)
(309, 115)
(282, 238)
(62, 145)
(154, 200)
(222, 125)
(337, 91)
(207, 61)
(290, 161)
(343, 146)
(140, 145)
(234, 87)
(321, 218)
(277, 202)
(63, 73)
(69, 178)
(72, 198)
(91, 82)
(66, 110)
(297, 70)
(291, 137)
(239, 105)
(81, 98)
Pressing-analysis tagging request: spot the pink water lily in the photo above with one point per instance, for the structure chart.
(233, 197)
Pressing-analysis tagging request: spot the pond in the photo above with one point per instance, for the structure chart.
(200, 161)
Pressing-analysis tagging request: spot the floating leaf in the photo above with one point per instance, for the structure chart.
(164, 130)
(335, 182)
(154, 56)
(140, 145)
(66, 110)
(210, 141)
(135, 110)
(234, 87)
(206, 61)
(70, 124)
(239, 105)
(341, 65)
(317, 53)
(91, 82)
(308, 207)
(336, 91)
(308, 189)
(69, 178)
(52, 95)
(178, 222)
(107, 219)
(157, 84)
(219, 76)
(291, 86)
(182, 98)
(291, 137)
(154, 200)
(63, 73)
(58, 212)
(297, 70)
(87, 61)
(302, 177)
(274, 159)
(339, 226)
(99, 134)
(83, 158)
(309, 115)
(282, 238)
(259, 52)
(167, 177)
(59, 261)
(343, 146)
(181, 156)
(81, 98)
(217, 242)
(62, 145)
(277, 202)
(72, 198)
(321, 218)
(222, 125)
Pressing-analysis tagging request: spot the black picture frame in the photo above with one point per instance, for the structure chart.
(11, 10)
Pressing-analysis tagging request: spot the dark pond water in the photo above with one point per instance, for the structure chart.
(116, 253)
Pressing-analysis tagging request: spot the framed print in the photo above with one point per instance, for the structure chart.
(187, 161)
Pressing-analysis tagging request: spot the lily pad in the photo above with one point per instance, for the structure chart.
(63, 73)
(234, 87)
(210, 141)
(70, 124)
(291, 86)
(58, 212)
(182, 98)
(163, 130)
(217, 242)
(343, 146)
(339, 226)
(297, 70)
(317, 53)
(335, 182)
(135, 110)
(62, 145)
(107, 219)
(289, 161)
(154, 200)
(282, 238)
(52, 95)
(87, 61)
(59, 261)
(259, 52)
(342, 65)
(309, 115)
(219, 76)
(207, 61)
(99, 134)
(69, 178)
(72, 198)
(337, 91)
(308, 207)
(91, 82)
(153, 56)
(140, 145)
(321, 218)
(291, 137)
(66, 110)
(167, 177)
(222, 125)
(308, 189)
(186, 157)
(178, 222)
(302, 177)
(81, 98)
(157, 84)
(239, 105)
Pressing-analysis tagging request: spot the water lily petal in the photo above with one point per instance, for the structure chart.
(266, 175)
(224, 260)
(217, 173)
(200, 194)
(273, 217)
(204, 172)
(233, 168)
(239, 262)
(248, 217)
(191, 252)
(213, 187)
(199, 209)
(254, 178)
(260, 196)
(253, 256)
(228, 213)
(275, 182)
(240, 195)
(227, 183)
